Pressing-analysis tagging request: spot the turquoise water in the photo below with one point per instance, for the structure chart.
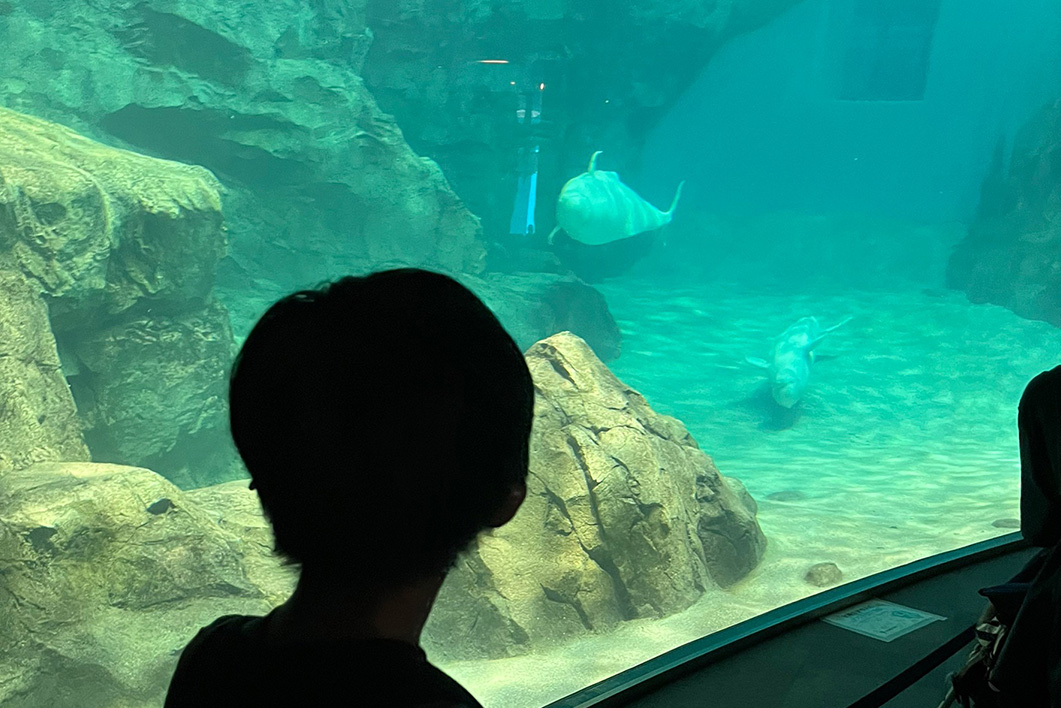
(911, 391)
(906, 446)
(835, 153)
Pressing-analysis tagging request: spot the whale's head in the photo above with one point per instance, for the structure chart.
(575, 212)
(787, 393)
(788, 382)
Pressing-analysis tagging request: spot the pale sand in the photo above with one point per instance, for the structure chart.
(907, 446)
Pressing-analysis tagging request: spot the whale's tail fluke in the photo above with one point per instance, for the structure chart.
(674, 203)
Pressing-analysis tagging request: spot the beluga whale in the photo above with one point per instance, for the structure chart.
(595, 208)
(791, 358)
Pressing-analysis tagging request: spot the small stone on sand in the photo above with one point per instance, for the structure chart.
(823, 574)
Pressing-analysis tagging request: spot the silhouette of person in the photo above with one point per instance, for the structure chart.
(1028, 670)
(384, 421)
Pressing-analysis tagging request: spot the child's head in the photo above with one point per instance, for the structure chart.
(384, 420)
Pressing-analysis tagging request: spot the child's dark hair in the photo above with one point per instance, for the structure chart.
(383, 420)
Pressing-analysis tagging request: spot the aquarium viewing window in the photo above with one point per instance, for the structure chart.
(887, 46)
(779, 271)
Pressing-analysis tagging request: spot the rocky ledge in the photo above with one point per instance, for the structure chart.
(108, 570)
(1012, 253)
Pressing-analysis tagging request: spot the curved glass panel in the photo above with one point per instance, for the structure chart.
(780, 269)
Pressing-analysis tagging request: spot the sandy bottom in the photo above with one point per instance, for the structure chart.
(905, 446)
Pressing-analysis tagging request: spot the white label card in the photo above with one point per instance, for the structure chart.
(881, 619)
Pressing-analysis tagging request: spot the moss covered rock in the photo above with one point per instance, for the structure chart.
(152, 391)
(124, 248)
(107, 572)
(100, 230)
(266, 95)
(625, 518)
(38, 420)
(236, 509)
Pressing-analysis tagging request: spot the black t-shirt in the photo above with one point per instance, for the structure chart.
(230, 664)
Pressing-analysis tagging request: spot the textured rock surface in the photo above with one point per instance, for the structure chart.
(625, 518)
(109, 570)
(104, 582)
(610, 71)
(1012, 254)
(822, 575)
(236, 509)
(124, 247)
(38, 420)
(533, 306)
(102, 230)
(268, 97)
(152, 391)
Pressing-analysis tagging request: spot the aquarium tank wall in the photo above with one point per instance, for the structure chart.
(780, 270)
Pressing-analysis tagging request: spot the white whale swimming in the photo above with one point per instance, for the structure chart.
(791, 359)
(595, 208)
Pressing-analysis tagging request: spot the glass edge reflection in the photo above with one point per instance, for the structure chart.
(701, 652)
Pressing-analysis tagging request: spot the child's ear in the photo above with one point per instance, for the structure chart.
(516, 494)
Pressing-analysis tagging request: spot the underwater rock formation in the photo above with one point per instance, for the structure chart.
(533, 306)
(267, 95)
(625, 518)
(822, 575)
(1012, 253)
(38, 420)
(235, 508)
(124, 248)
(606, 73)
(107, 572)
(102, 230)
(152, 391)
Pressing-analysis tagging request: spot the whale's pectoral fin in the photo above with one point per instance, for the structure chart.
(756, 361)
(820, 337)
(552, 235)
(822, 357)
(838, 325)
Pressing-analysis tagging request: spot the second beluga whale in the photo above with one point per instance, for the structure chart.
(791, 358)
(595, 208)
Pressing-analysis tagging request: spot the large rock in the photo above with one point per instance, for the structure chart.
(125, 248)
(236, 508)
(625, 518)
(152, 391)
(106, 572)
(1012, 254)
(101, 230)
(268, 96)
(533, 306)
(38, 420)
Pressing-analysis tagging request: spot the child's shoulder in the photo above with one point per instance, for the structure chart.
(226, 627)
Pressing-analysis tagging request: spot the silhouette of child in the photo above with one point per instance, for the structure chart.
(384, 421)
